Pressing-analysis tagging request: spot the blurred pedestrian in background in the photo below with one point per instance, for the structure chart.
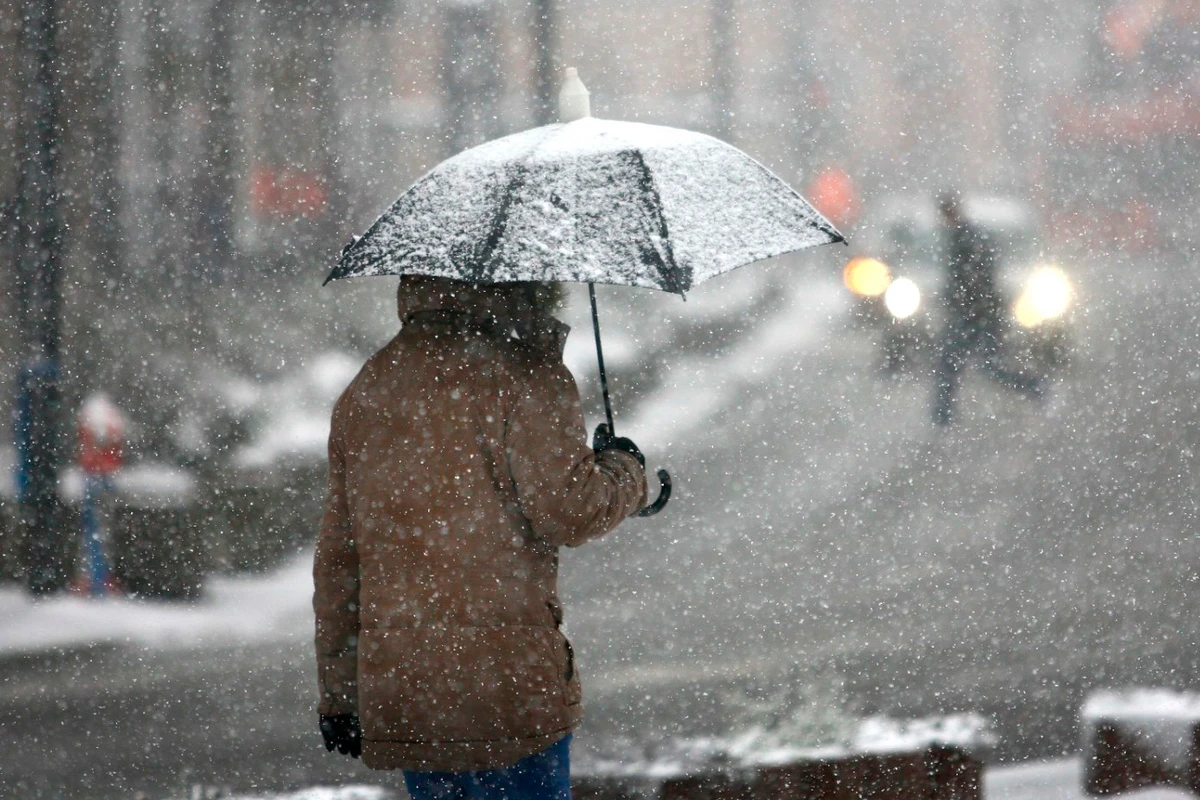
(457, 468)
(975, 312)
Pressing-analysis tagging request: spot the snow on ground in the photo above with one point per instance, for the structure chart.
(698, 385)
(323, 793)
(280, 602)
(706, 383)
(250, 609)
(1055, 780)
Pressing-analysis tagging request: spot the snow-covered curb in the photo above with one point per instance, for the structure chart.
(1049, 780)
(319, 793)
(756, 748)
(249, 609)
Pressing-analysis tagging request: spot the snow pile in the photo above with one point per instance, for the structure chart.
(155, 485)
(294, 413)
(1142, 704)
(969, 732)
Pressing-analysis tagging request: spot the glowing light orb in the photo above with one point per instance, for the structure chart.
(902, 298)
(1047, 296)
(867, 277)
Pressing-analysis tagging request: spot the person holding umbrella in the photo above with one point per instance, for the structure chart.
(457, 469)
(457, 457)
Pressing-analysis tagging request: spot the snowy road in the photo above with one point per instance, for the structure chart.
(1007, 566)
(821, 533)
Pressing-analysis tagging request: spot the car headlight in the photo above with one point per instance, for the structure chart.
(1047, 296)
(902, 298)
(866, 277)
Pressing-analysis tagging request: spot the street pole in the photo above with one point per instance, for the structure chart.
(724, 47)
(216, 188)
(38, 266)
(546, 78)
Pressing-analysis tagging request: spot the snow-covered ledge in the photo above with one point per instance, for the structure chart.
(1139, 737)
(937, 757)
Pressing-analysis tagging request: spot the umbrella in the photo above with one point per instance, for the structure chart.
(593, 201)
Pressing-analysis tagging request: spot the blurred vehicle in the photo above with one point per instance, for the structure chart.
(898, 274)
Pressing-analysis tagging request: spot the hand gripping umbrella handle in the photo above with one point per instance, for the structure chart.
(664, 494)
(664, 478)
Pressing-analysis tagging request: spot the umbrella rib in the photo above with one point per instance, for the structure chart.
(675, 278)
(817, 218)
(344, 267)
(485, 262)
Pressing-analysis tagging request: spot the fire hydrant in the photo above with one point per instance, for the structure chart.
(101, 452)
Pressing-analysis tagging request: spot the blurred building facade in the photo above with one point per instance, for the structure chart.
(217, 147)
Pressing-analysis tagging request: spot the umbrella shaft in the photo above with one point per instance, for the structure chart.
(600, 360)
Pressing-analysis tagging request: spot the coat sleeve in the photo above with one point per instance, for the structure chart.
(569, 493)
(335, 596)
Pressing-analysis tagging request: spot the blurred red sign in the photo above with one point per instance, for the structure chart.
(286, 192)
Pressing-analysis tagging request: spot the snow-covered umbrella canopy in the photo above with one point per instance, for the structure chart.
(591, 200)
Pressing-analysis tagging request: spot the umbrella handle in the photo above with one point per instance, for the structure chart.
(664, 478)
(664, 494)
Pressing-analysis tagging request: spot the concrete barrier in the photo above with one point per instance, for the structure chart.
(255, 520)
(610, 788)
(1141, 738)
(954, 773)
(938, 772)
(800, 779)
(710, 787)
(157, 549)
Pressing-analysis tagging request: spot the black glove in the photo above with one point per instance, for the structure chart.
(603, 439)
(343, 732)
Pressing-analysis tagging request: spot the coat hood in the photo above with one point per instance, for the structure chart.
(418, 293)
(522, 308)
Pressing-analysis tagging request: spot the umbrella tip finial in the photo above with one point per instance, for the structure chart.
(573, 99)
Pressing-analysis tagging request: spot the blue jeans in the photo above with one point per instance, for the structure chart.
(541, 776)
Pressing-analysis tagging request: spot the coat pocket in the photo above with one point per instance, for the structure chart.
(455, 684)
(572, 689)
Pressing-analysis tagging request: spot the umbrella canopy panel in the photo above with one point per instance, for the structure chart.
(590, 201)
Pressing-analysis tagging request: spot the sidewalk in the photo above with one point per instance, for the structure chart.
(1056, 780)
(251, 609)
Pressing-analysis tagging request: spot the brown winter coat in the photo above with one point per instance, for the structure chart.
(457, 468)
